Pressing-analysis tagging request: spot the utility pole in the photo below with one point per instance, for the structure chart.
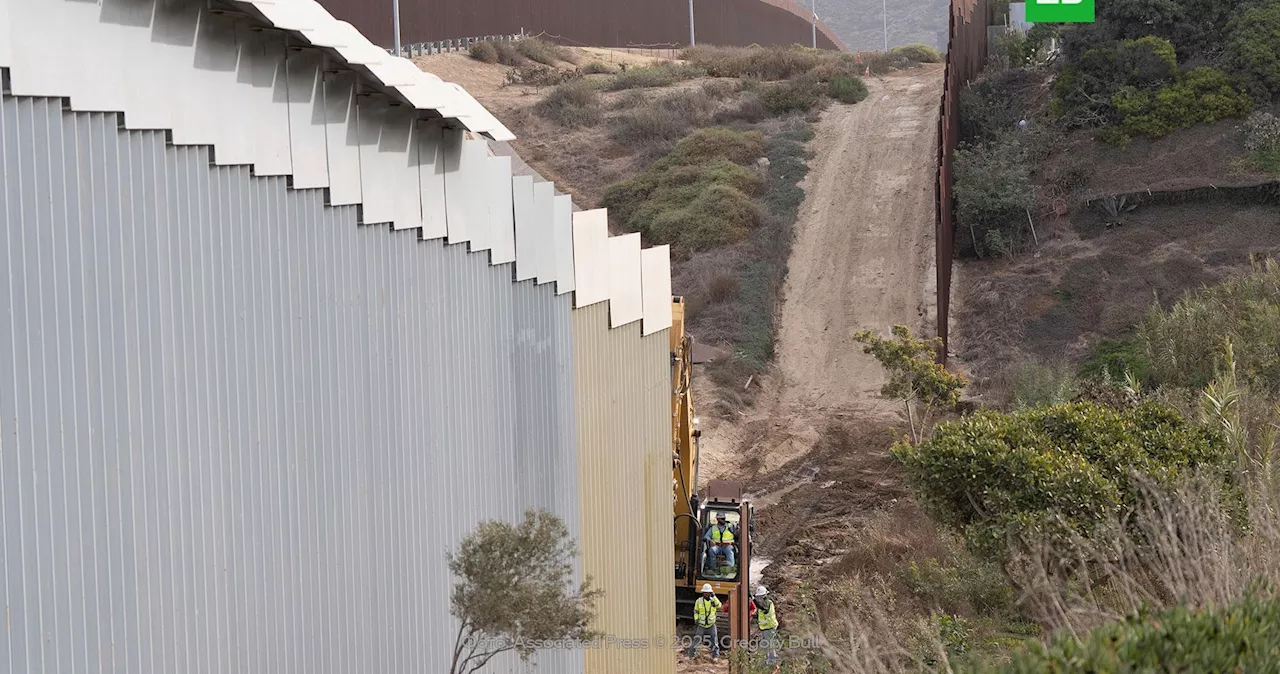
(395, 11)
(693, 36)
(813, 9)
(885, 13)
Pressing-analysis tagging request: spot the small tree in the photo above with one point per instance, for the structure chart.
(514, 591)
(915, 379)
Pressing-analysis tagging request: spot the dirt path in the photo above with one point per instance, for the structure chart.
(862, 258)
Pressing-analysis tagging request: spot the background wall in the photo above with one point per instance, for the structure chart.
(600, 23)
(624, 434)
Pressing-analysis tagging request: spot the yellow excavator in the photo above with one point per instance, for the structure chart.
(698, 563)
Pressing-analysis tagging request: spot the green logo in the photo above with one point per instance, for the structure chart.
(1060, 11)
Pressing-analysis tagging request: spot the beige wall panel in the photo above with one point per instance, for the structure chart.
(623, 396)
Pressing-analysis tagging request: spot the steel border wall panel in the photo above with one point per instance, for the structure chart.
(285, 397)
(623, 388)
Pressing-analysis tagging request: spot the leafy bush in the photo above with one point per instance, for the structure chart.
(917, 53)
(992, 105)
(660, 75)
(485, 52)
(766, 63)
(1203, 96)
(1051, 471)
(847, 89)
(1112, 359)
(1240, 637)
(992, 189)
(1261, 132)
(1253, 49)
(1036, 385)
(800, 95)
(540, 51)
(1085, 90)
(1184, 345)
(697, 197)
(597, 68)
(573, 104)
(915, 378)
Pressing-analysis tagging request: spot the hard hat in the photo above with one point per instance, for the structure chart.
(761, 591)
(721, 517)
(707, 588)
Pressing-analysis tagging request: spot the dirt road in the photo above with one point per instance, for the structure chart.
(862, 258)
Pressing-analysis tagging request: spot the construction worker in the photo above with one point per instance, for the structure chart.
(719, 540)
(766, 612)
(705, 611)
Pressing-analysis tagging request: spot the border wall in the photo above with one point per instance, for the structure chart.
(966, 57)
(277, 330)
(593, 23)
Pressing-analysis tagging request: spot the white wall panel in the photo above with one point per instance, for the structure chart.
(377, 179)
(262, 65)
(526, 228)
(306, 119)
(89, 82)
(400, 148)
(173, 39)
(40, 63)
(591, 257)
(655, 277)
(456, 191)
(6, 42)
(626, 300)
(544, 214)
(435, 222)
(562, 231)
(342, 132)
(475, 174)
(502, 222)
(213, 96)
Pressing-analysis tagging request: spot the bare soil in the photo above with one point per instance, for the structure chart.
(862, 258)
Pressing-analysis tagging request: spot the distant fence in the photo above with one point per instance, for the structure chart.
(966, 56)
(447, 46)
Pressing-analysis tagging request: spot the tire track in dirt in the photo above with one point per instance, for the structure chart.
(863, 257)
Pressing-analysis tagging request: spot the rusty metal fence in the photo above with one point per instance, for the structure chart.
(966, 56)
(595, 23)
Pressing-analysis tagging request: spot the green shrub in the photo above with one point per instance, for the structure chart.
(847, 89)
(697, 197)
(573, 104)
(1051, 471)
(485, 52)
(1037, 384)
(1085, 89)
(992, 105)
(766, 63)
(794, 96)
(540, 51)
(597, 68)
(660, 75)
(992, 189)
(1185, 344)
(1112, 359)
(917, 53)
(1241, 637)
(1261, 132)
(1253, 48)
(1203, 96)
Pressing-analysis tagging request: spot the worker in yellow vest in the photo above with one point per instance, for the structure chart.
(719, 541)
(705, 611)
(766, 611)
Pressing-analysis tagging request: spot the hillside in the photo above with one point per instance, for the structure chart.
(860, 23)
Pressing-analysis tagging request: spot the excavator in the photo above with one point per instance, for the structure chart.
(695, 511)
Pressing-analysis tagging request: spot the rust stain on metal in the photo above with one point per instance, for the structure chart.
(966, 56)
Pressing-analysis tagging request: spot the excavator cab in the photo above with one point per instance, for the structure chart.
(720, 561)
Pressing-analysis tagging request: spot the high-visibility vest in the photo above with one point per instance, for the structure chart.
(768, 619)
(704, 611)
(721, 536)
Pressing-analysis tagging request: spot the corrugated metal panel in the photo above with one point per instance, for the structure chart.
(605, 23)
(624, 434)
(238, 432)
